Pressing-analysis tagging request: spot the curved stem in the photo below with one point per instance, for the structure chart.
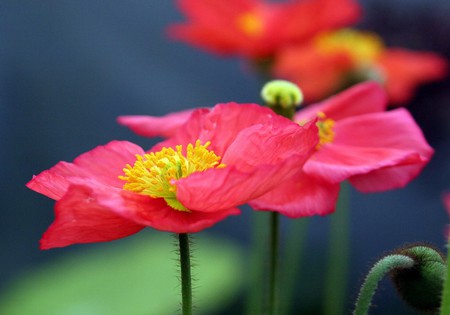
(185, 262)
(273, 264)
(378, 271)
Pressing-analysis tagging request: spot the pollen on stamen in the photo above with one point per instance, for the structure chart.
(155, 174)
(326, 132)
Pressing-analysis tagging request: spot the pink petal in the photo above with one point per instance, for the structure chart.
(387, 178)
(80, 219)
(363, 98)
(271, 143)
(220, 125)
(151, 126)
(299, 196)
(155, 212)
(218, 189)
(372, 142)
(335, 163)
(104, 163)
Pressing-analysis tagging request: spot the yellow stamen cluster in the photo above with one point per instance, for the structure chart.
(154, 173)
(362, 47)
(251, 24)
(326, 132)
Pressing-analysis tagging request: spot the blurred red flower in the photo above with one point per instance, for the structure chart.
(221, 158)
(335, 60)
(257, 29)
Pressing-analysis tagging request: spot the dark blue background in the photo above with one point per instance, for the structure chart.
(69, 68)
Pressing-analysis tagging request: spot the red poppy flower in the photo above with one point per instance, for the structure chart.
(222, 158)
(256, 28)
(333, 61)
(359, 141)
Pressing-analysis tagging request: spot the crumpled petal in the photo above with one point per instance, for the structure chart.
(104, 163)
(299, 196)
(218, 189)
(263, 151)
(219, 125)
(155, 212)
(80, 219)
(152, 126)
(368, 143)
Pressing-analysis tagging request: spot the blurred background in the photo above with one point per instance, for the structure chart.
(69, 68)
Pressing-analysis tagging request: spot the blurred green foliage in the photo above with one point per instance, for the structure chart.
(134, 277)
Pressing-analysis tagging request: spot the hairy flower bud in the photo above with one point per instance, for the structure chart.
(421, 285)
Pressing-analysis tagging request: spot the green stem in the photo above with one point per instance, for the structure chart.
(273, 263)
(258, 253)
(295, 243)
(338, 256)
(378, 271)
(185, 262)
(445, 303)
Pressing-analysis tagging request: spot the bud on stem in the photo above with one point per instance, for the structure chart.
(282, 96)
(418, 272)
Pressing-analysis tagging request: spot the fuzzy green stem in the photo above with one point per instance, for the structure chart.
(378, 271)
(185, 262)
(445, 303)
(338, 256)
(292, 262)
(273, 263)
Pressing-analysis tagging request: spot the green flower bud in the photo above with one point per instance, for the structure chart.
(282, 96)
(421, 285)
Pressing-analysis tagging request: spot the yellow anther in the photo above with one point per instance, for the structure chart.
(326, 132)
(154, 173)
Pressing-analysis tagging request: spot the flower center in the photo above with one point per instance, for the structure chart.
(251, 24)
(362, 47)
(154, 174)
(326, 132)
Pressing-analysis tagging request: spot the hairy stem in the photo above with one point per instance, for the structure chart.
(378, 271)
(185, 262)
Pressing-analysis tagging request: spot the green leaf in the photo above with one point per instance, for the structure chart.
(134, 276)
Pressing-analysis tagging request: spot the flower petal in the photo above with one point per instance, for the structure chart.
(372, 142)
(155, 212)
(299, 196)
(363, 98)
(152, 126)
(103, 163)
(218, 189)
(220, 125)
(271, 143)
(80, 219)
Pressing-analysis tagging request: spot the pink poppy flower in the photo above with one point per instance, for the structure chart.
(376, 150)
(335, 60)
(222, 158)
(257, 29)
